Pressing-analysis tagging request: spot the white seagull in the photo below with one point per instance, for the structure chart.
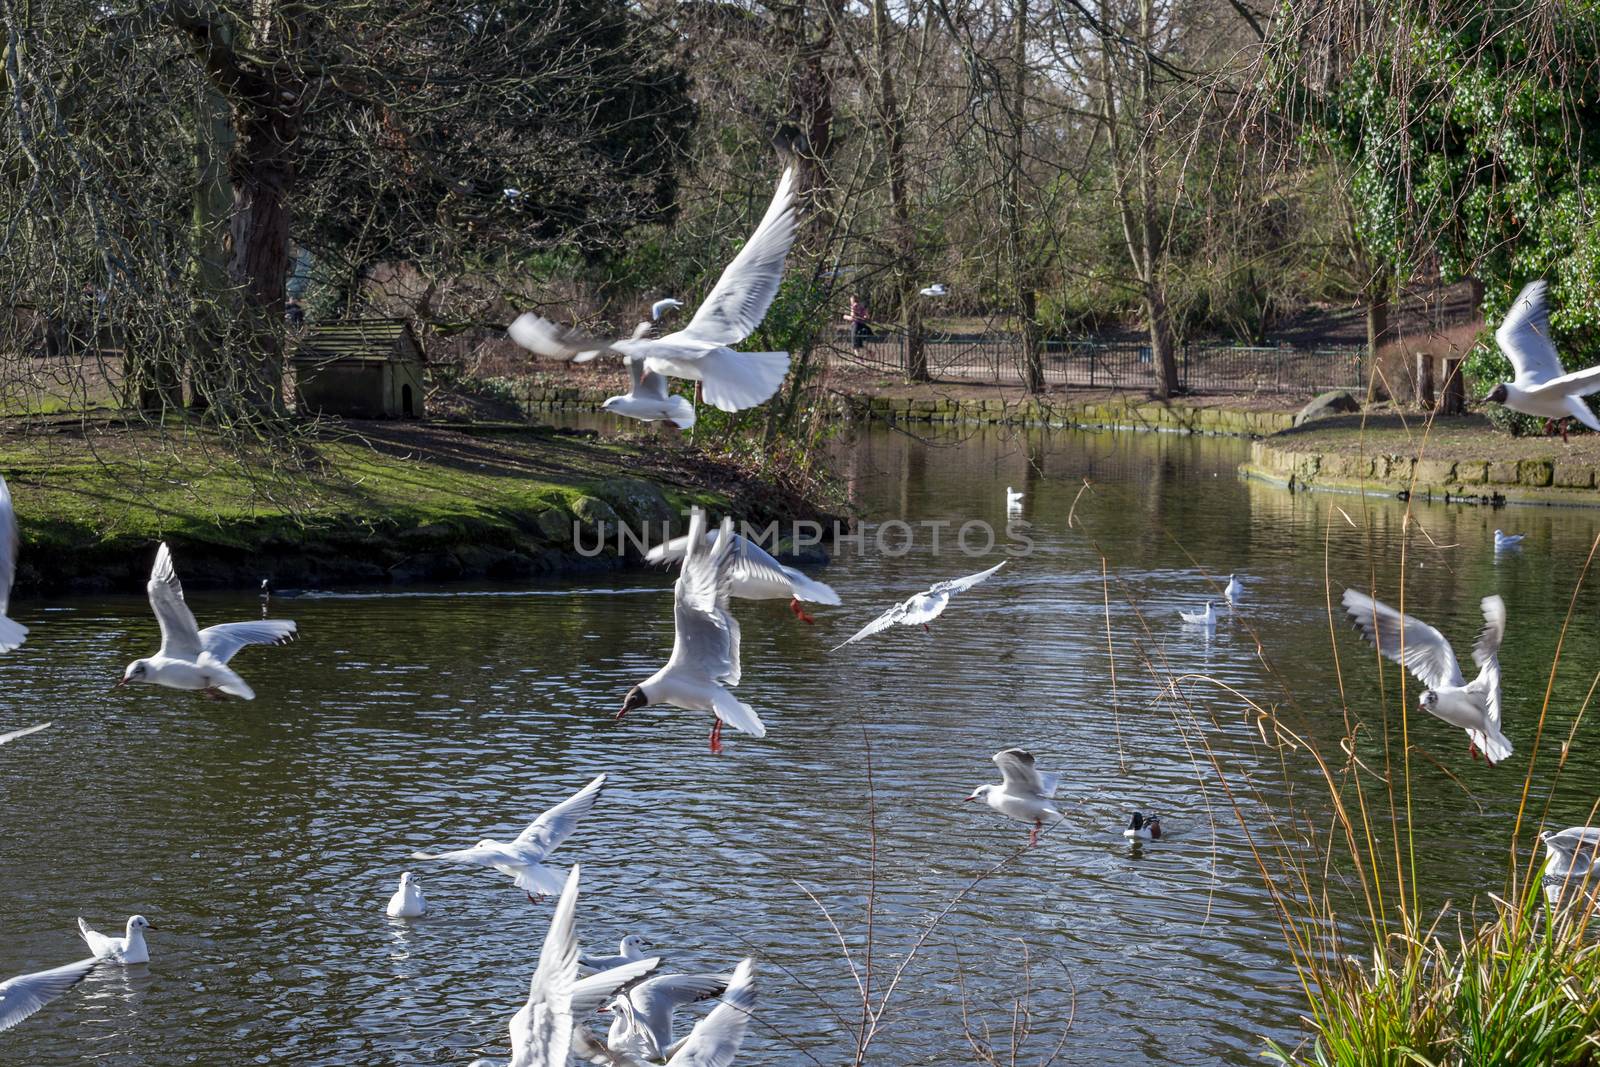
(1024, 792)
(642, 1019)
(24, 732)
(714, 1041)
(12, 633)
(1541, 386)
(1232, 590)
(630, 949)
(25, 994)
(921, 609)
(732, 381)
(129, 948)
(650, 400)
(191, 658)
(408, 901)
(1206, 618)
(1013, 499)
(1573, 869)
(1504, 541)
(705, 645)
(756, 575)
(524, 859)
(558, 1000)
(1422, 650)
(936, 289)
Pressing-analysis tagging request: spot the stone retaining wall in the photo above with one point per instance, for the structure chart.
(1536, 481)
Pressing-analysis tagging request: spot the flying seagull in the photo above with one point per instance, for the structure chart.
(191, 658)
(714, 1041)
(129, 948)
(1541, 387)
(705, 645)
(1573, 869)
(732, 381)
(756, 575)
(921, 609)
(1423, 651)
(1024, 793)
(524, 859)
(643, 1018)
(25, 994)
(12, 633)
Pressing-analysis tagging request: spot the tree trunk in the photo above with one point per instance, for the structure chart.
(1025, 297)
(210, 206)
(1152, 239)
(904, 234)
(1162, 345)
(1378, 332)
(263, 171)
(1032, 349)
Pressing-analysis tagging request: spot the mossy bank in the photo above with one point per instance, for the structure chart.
(358, 504)
(1462, 459)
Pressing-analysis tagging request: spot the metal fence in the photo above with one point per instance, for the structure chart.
(1202, 368)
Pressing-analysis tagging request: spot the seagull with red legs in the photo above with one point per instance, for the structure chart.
(1541, 387)
(756, 575)
(1025, 793)
(704, 663)
(524, 858)
(1474, 706)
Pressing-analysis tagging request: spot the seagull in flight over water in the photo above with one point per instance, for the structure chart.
(192, 658)
(1541, 386)
(920, 609)
(1422, 650)
(25, 994)
(701, 351)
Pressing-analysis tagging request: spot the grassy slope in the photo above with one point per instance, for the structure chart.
(1468, 437)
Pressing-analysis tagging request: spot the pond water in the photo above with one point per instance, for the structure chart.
(263, 839)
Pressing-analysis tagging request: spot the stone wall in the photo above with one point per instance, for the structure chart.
(1541, 481)
(1117, 414)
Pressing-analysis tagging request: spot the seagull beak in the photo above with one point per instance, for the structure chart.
(121, 682)
(965, 799)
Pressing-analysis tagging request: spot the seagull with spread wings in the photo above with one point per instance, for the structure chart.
(1541, 387)
(701, 351)
(705, 648)
(1572, 872)
(192, 658)
(756, 575)
(644, 1018)
(1422, 650)
(1025, 793)
(714, 1041)
(921, 609)
(524, 858)
(25, 994)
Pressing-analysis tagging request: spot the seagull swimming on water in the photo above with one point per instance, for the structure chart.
(1206, 618)
(1024, 792)
(1422, 650)
(630, 949)
(191, 658)
(25, 994)
(731, 381)
(756, 575)
(524, 858)
(1504, 541)
(705, 644)
(1013, 499)
(130, 948)
(408, 901)
(714, 1042)
(920, 609)
(12, 633)
(1232, 590)
(1541, 386)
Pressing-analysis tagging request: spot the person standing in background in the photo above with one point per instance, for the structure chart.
(857, 318)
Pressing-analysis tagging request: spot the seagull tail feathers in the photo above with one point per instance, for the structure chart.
(12, 633)
(1494, 745)
(809, 589)
(735, 381)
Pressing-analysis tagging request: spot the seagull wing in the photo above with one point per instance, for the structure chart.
(1576, 838)
(8, 546)
(1524, 337)
(24, 732)
(738, 303)
(588, 994)
(557, 824)
(1578, 383)
(1019, 774)
(961, 585)
(1486, 653)
(715, 1040)
(225, 639)
(671, 991)
(545, 1038)
(878, 625)
(476, 856)
(1409, 641)
(545, 338)
(647, 385)
(707, 637)
(180, 636)
(25, 994)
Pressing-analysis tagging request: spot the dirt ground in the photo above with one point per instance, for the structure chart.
(1467, 437)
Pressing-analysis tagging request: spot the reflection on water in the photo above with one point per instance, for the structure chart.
(263, 839)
